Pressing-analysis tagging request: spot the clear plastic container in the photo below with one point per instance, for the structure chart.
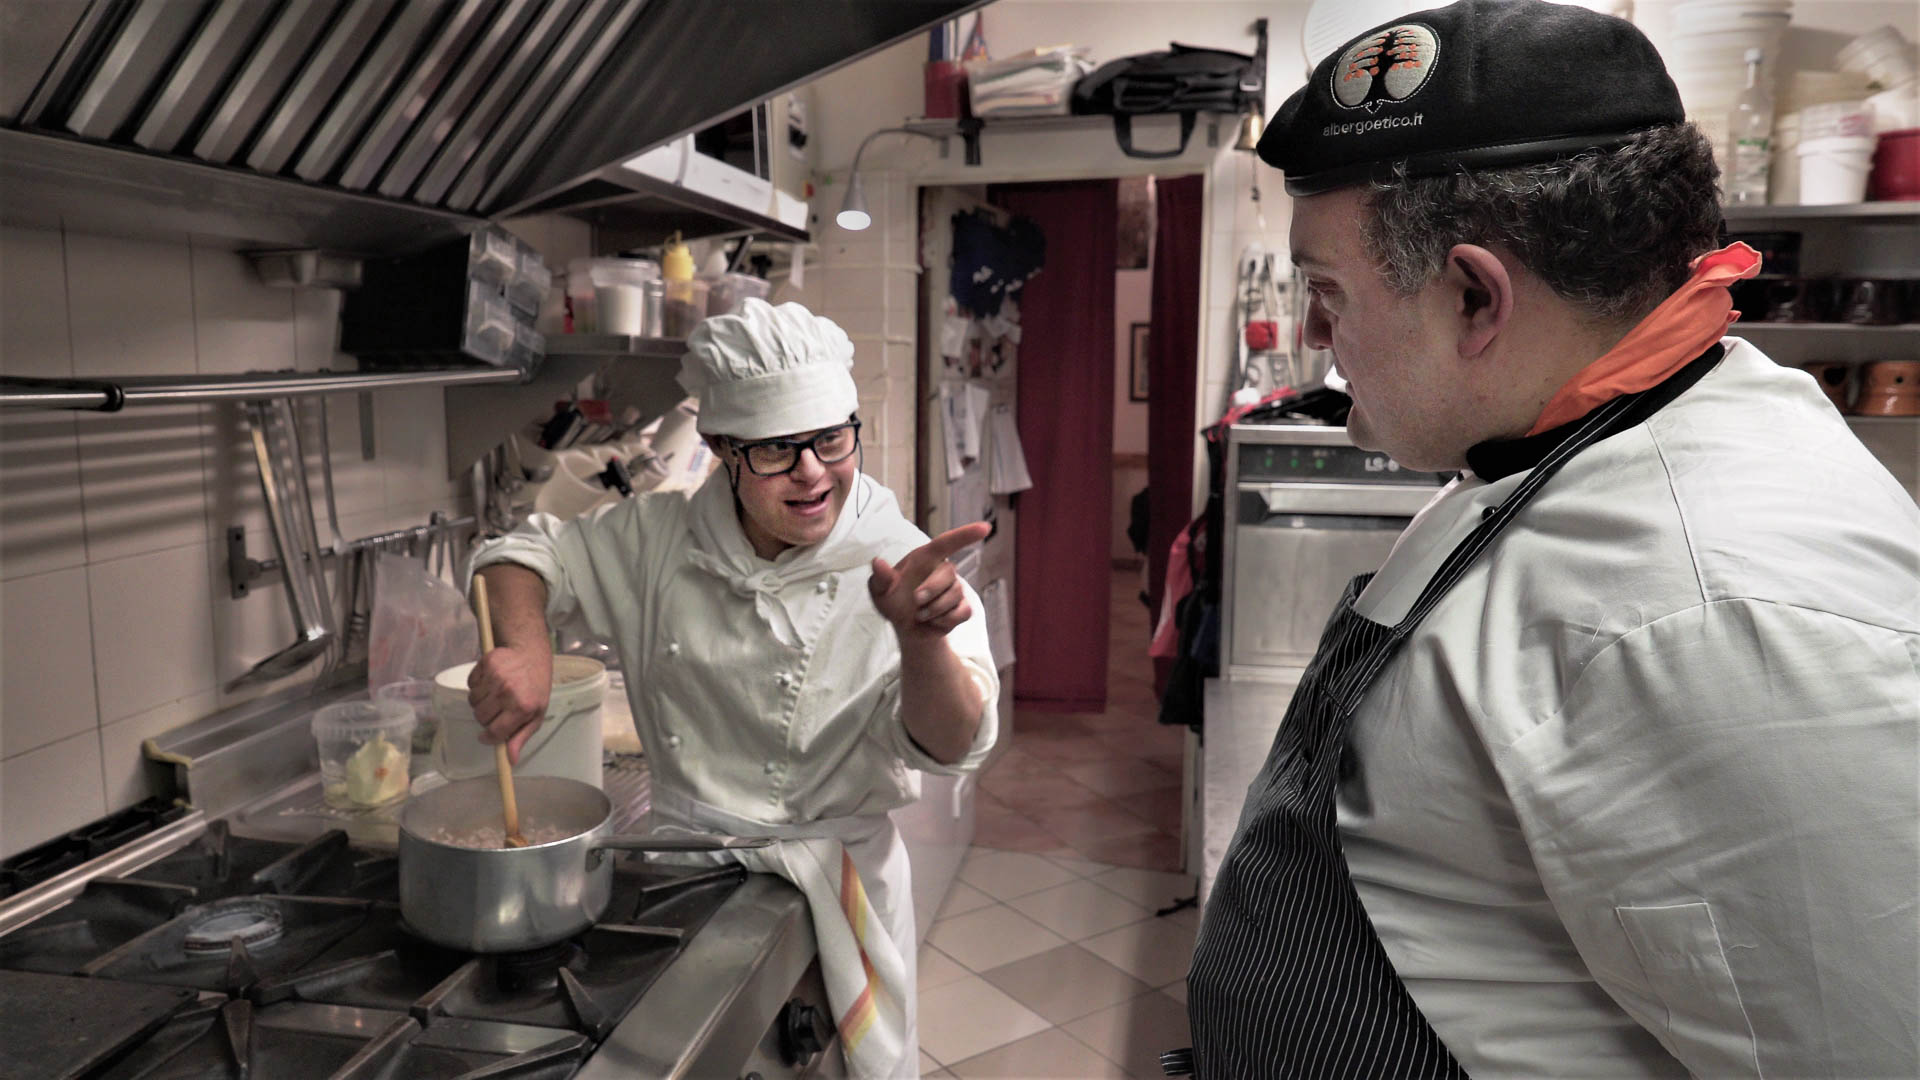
(415, 694)
(531, 282)
(366, 751)
(685, 306)
(490, 326)
(492, 257)
(580, 297)
(729, 292)
(619, 288)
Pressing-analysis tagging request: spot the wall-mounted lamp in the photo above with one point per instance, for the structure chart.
(853, 214)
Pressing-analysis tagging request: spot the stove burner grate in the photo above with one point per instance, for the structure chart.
(533, 968)
(218, 925)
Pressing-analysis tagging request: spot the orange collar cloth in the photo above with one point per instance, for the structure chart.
(1685, 325)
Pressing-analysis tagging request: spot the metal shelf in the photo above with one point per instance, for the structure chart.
(1904, 211)
(113, 395)
(629, 209)
(602, 346)
(969, 129)
(634, 371)
(1825, 329)
(1794, 344)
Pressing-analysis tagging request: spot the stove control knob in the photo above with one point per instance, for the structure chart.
(803, 1032)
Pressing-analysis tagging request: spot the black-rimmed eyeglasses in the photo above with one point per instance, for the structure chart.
(777, 457)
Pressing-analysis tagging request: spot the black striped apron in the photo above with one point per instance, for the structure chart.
(1289, 979)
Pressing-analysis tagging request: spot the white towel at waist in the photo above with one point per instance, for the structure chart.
(858, 887)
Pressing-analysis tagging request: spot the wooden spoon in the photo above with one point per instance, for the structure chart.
(501, 763)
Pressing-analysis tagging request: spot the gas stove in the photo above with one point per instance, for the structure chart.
(238, 956)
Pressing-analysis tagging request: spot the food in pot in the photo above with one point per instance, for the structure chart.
(489, 837)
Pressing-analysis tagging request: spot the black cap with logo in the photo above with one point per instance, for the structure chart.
(1475, 85)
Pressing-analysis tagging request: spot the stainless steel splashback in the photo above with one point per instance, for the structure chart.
(463, 108)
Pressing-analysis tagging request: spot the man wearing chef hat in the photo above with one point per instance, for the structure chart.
(1611, 769)
(796, 651)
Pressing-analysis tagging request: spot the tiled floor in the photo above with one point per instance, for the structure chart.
(1047, 959)
(1104, 787)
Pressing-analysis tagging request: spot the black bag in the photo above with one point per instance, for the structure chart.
(1182, 80)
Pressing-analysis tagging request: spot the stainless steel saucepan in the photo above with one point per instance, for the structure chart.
(509, 899)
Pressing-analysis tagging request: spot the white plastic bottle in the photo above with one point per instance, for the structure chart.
(1751, 136)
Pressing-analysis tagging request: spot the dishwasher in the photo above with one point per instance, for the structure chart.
(1309, 510)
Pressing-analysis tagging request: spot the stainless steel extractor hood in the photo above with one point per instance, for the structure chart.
(375, 126)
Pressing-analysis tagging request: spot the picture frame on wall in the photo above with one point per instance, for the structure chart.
(1137, 363)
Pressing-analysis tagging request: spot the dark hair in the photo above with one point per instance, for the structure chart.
(1610, 231)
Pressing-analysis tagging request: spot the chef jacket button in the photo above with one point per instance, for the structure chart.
(772, 767)
(783, 678)
(673, 648)
(673, 742)
(823, 586)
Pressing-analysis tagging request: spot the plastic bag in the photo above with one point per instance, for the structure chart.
(421, 624)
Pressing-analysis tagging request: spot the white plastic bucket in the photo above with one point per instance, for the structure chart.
(1853, 119)
(1834, 170)
(567, 743)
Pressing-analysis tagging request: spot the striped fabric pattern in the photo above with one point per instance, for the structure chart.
(1289, 979)
(869, 984)
(858, 1019)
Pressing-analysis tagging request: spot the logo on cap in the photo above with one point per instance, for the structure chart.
(1388, 66)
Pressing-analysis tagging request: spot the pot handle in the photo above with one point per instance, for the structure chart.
(684, 842)
(689, 842)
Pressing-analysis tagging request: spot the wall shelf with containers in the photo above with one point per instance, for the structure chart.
(1839, 294)
(1907, 212)
(635, 372)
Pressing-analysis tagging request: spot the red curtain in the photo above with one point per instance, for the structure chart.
(1172, 349)
(1065, 389)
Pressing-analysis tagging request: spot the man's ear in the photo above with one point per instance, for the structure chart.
(1481, 293)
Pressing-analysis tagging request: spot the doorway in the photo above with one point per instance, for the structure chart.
(1103, 387)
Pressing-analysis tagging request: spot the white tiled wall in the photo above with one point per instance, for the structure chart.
(869, 283)
(115, 624)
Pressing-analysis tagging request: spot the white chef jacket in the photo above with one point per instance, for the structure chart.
(1641, 795)
(767, 696)
(774, 696)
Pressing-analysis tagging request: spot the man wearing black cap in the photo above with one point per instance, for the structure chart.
(1613, 768)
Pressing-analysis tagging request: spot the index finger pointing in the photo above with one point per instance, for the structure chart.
(953, 540)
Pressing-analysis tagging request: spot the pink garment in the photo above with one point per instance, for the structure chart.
(1166, 633)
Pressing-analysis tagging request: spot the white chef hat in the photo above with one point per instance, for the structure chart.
(766, 371)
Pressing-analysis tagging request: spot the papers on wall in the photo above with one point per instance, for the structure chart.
(999, 623)
(953, 333)
(1008, 463)
(952, 430)
(971, 500)
(978, 399)
(966, 563)
(963, 416)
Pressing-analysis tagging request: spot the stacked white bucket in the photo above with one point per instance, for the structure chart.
(1706, 55)
(1828, 121)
